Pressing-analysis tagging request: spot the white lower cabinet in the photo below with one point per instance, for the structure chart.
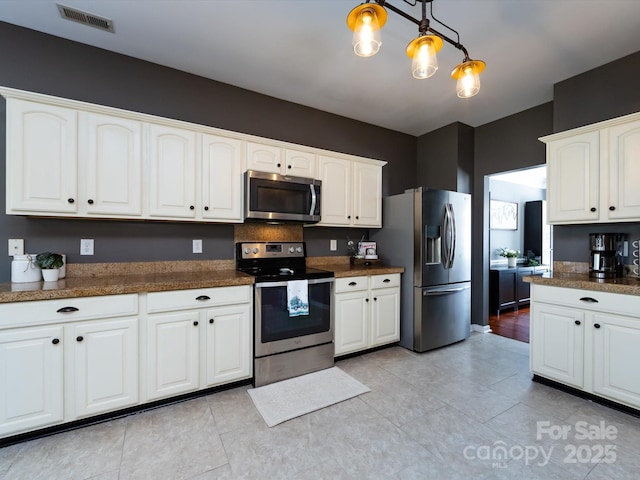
(62, 360)
(366, 312)
(587, 340)
(197, 339)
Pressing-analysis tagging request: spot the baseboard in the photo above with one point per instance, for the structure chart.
(480, 328)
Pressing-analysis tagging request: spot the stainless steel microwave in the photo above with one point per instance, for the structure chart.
(280, 198)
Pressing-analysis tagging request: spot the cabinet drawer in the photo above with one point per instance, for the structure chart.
(351, 284)
(385, 281)
(587, 299)
(197, 298)
(67, 310)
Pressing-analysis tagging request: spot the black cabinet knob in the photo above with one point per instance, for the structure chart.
(577, 322)
(278, 165)
(90, 202)
(195, 324)
(211, 320)
(206, 209)
(612, 208)
(70, 200)
(289, 166)
(593, 209)
(55, 341)
(79, 338)
(366, 299)
(596, 325)
(191, 207)
(349, 216)
(375, 299)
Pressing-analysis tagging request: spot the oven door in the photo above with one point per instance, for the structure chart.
(277, 331)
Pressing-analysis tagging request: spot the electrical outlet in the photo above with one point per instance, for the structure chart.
(86, 246)
(197, 246)
(16, 246)
(333, 245)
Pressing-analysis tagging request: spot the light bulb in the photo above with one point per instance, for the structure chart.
(468, 76)
(366, 35)
(422, 51)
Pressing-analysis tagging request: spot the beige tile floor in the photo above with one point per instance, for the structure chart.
(466, 411)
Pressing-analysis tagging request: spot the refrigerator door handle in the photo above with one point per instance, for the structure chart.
(449, 239)
(454, 235)
(444, 240)
(427, 293)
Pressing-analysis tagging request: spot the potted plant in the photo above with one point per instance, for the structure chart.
(50, 264)
(510, 254)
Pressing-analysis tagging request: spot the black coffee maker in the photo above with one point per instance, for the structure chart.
(606, 259)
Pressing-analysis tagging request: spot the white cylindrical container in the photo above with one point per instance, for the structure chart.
(24, 269)
(63, 268)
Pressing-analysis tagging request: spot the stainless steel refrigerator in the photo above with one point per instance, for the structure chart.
(428, 232)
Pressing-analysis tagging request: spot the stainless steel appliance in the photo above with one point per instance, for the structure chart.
(606, 257)
(281, 198)
(286, 346)
(428, 232)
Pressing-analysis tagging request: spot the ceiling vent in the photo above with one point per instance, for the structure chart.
(85, 18)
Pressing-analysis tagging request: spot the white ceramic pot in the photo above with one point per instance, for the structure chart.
(24, 269)
(50, 274)
(511, 261)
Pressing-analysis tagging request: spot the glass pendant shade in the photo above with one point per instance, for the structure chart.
(366, 20)
(468, 76)
(422, 51)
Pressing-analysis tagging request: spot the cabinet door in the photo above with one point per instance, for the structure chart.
(105, 365)
(111, 149)
(172, 176)
(385, 316)
(614, 341)
(264, 158)
(557, 343)
(524, 288)
(221, 178)
(41, 158)
(336, 191)
(228, 344)
(624, 172)
(573, 179)
(300, 164)
(351, 322)
(31, 382)
(367, 195)
(172, 354)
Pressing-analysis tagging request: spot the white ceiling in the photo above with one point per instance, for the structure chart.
(300, 50)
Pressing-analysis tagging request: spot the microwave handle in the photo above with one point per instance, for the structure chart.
(313, 199)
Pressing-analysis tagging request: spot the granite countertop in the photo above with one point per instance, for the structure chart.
(88, 280)
(623, 285)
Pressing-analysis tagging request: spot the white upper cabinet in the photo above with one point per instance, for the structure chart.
(222, 167)
(272, 159)
(172, 172)
(110, 149)
(594, 173)
(41, 158)
(351, 193)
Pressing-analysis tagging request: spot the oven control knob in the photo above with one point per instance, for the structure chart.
(299, 249)
(291, 249)
(246, 251)
(255, 250)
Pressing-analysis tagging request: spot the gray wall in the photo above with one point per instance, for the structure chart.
(42, 63)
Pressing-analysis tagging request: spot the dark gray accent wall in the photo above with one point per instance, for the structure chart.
(605, 92)
(594, 96)
(510, 143)
(445, 158)
(42, 63)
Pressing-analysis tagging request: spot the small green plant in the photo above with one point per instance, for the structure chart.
(508, 252)
(48, 260)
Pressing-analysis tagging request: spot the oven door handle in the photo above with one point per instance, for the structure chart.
(313, 281)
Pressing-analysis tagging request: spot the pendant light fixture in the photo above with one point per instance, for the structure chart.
(367, 19)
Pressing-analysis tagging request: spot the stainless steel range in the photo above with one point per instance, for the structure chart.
(293, 317)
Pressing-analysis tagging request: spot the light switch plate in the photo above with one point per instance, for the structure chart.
(16, 246)
(86, 246)
(333, 245)
(197, 246)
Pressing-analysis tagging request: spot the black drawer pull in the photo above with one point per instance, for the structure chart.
(596, 325)
(578, 322)
(79, 338)
(386, 280)
(589, 300)
(55, 341)
(353, 284)
(67, 310)
(203, 297)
